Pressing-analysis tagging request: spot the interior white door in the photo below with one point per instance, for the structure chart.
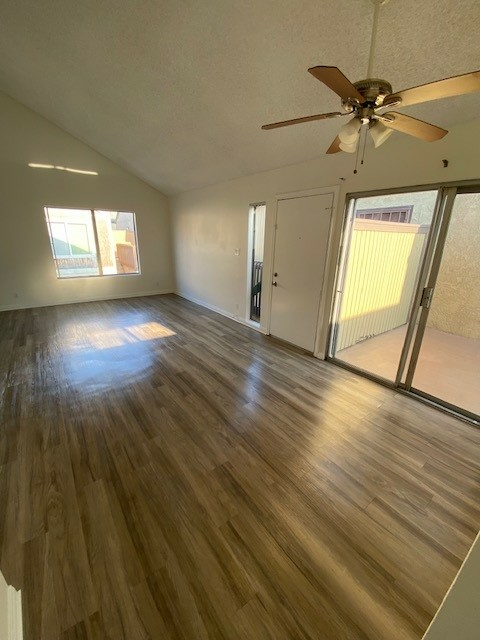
(301, 241)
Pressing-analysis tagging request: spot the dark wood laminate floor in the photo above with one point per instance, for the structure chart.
(166, 473)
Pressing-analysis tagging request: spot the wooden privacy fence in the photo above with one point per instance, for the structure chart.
(381, 274)
(127, 256)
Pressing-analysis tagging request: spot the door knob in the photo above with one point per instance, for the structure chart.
(274, 283)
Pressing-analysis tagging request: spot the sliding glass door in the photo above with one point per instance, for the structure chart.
(447, 366)
(407, 306)
(387, 237)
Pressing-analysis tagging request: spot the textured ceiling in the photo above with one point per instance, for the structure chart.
(176, 90)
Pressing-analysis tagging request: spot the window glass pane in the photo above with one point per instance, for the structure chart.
(257, 229)
(73, 242)
(106, 242)
(78, 239)
(447, 366)
(59, 239)
(117, 241)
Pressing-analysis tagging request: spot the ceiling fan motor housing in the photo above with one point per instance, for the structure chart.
(374, 90)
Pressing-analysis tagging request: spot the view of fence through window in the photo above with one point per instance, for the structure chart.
(88, 242)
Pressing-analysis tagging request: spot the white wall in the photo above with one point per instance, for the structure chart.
(458, 617)
(210, 223)
(27, 271)
(11, 627)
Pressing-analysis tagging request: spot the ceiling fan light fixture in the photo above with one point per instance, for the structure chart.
(349, 147)
(350, 131)
(380, 133)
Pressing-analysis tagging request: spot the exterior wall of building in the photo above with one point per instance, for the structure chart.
(456, 303)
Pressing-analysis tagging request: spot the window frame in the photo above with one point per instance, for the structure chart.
(97, 253)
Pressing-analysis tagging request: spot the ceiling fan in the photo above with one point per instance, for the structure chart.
(368, 99)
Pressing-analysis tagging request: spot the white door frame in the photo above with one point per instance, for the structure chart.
(321, 329)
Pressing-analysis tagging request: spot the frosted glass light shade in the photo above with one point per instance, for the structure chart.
(349, 148)
(349, 132)
(380, 133)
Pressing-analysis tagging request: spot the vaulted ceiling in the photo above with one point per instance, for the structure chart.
(176, 90)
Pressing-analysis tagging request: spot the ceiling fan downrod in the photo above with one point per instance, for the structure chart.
(373, 41)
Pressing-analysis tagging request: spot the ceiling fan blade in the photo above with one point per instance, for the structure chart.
(336, 81)
(335, 146)
(412, 126)
(287, 123)
(456, 86)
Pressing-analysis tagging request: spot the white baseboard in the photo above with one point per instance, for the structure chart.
(222, 312)
(138, 294)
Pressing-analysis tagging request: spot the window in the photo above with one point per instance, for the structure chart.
(256, 242)
(390, 214)
(89, 242)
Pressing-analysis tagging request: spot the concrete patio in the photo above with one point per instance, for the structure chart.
(447, 368)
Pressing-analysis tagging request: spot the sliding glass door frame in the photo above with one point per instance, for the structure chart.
(425, 287)
(450, 195)
(341, 272)
(426, 292)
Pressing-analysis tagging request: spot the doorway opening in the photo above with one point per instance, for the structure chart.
(256, 243)
(407, 301)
